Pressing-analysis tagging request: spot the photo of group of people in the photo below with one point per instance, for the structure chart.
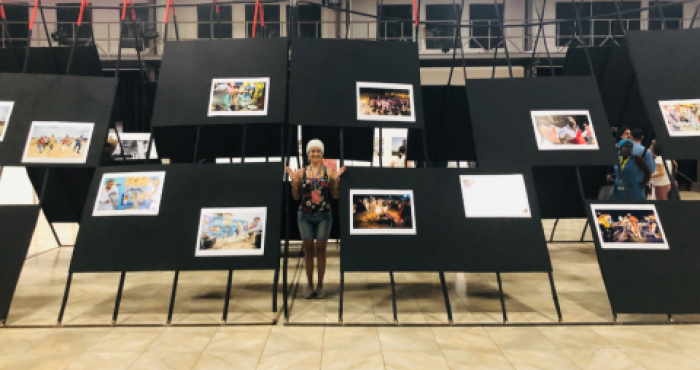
(5, 113)
(129, 194)
(564, 130)
(58, 142)
(239, 97)
(135, 146)
(681, 117)
(385, 102)
(231, 232)
(381, 212)
(494, 196)
(629, 227)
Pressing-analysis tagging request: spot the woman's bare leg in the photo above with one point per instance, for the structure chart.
(321, 256)
(309, 261)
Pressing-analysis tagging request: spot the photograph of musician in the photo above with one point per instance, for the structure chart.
(381, 211)
(682, 117)
(564, 130)
(635, 225)
(239, 96)
(384, 102)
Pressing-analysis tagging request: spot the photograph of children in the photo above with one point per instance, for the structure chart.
(495, 196)
(382, 212)
(135, 146)
(385, 102)
(564, 130)
(681, 117)
(5, 113)
(239, 96)
(629, 226)
(231, 232)
(58, 142)
(129, 194)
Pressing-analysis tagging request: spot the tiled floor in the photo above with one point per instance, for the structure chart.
(210, 346)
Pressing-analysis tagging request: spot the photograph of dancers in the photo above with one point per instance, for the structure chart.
(58, 142)
(239, 97)
(129, 194)
(381, 212)
(681, 117)
(231, 232)
(564, 130)
(385, 102)
(5, 113)
(629, 227)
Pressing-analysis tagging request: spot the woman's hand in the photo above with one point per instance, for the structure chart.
(292, 173)
(339, 172)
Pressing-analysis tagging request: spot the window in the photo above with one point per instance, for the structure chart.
(596, 32)
(485, 37)
(440, 35)
(672, 16)
(308, 20)
(272, 21)
(392, 29)
(18, 19)
(142, 25)
(206, 21)
(67, 21)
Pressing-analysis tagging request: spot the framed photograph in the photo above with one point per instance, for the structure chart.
(629, 226)
(493, 196)
(135, 146)
(394, 147)
(681, 117)
(385, 102)
(58, 142)
(231, 232)
(5, 113)
(129, 194)
(564, 130)
(239, 97)
(382, 212)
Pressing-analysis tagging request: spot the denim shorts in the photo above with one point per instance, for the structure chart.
(315, 225)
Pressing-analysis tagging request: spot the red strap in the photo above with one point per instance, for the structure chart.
(133, 12)
(2, 11)
(255, 16)
(262, 15)
(167, 11)
(83, 3)
(217, 6)
(31, 22)
(415, 12)
(124, 11)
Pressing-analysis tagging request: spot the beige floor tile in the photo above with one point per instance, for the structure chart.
(473, 359)
(183, 339)
(134, 340)
(520, 338)
(238, 339)
(352, 360)
(628, 337)
(658, 359)
(463, 339)
(290, 360)
(575, 337)
(69, 341)
(103, 361)
(601, 359)
(18, 341)
(681, 336)
(414, 360)
(397, 339)
(296, 339)
(530, 359)
(228, 360)
(6, 358)
(44, 361)
(165, 361)
(351, 339)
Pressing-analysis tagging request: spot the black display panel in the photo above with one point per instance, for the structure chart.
(188, 68)
(357, 141)
(66, 192)
(666, 68)
(503, 128)
(168, 241)
(655, 281)
(16, 229)
(86, 60)
(445, 239)
(55, 98)
(324, 75)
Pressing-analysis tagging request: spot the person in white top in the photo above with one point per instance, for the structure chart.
(401, 161)
(107, 201)
(659, 179)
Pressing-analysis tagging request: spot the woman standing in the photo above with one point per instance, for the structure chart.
(659, 179)
(313, 186)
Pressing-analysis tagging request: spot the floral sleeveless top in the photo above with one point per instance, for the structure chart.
(315, 192)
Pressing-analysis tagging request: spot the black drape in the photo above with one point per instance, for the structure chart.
(130, 106)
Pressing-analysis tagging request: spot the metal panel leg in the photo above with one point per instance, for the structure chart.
(172, 297)
(503, 302)
(274, 290)
(555, 296)
(342, 289)
(393, 297)
(228, 296)
(65, 298)
(551, 237)
(585, 227)
(118, 300)
(445, 293)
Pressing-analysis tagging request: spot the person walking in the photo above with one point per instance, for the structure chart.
(633, 174)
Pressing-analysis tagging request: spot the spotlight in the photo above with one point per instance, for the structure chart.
(60, 36)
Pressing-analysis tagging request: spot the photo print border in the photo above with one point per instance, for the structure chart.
(85, 148)
(503, 190)
(629, 246)
(668, 126)
(381, 85)
(232, 253)
(100, 213)
(586, 112)
(9, 115)
(263, 112)
(411, 231)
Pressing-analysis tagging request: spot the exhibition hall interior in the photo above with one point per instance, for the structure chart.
(349, 184)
